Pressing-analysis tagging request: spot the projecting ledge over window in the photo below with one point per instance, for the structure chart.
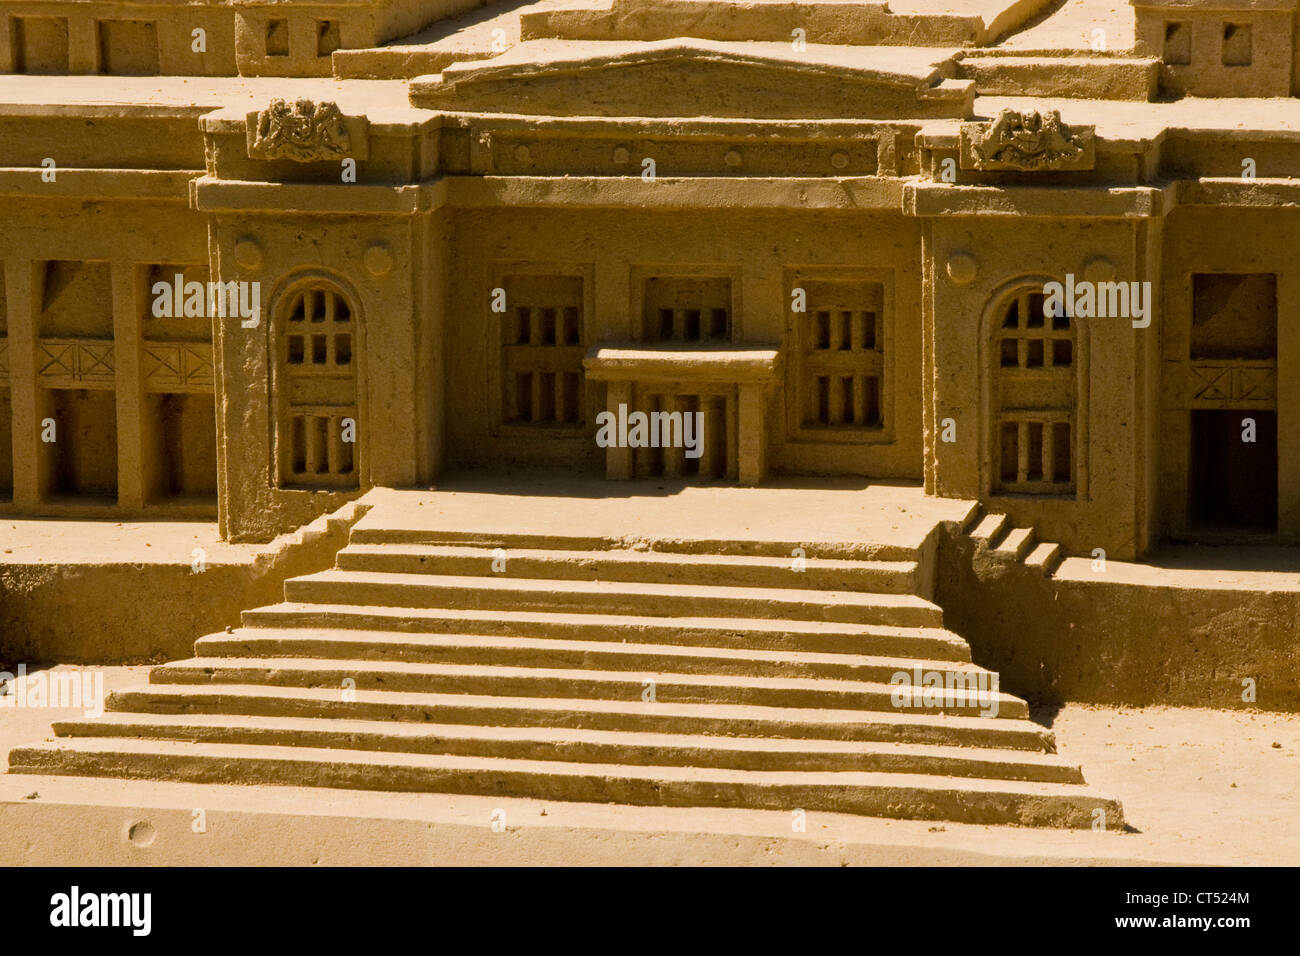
(682, 364)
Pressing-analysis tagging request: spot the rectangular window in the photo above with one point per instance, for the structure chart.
(40, 45)
(840, 355)
(687, 309)
(1236, 44)
(1178, 43)
(277, 37)
(327, 37)
(129, 47)
(1035, 454)
(541, 351)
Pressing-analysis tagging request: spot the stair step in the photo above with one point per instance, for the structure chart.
(1046, 557)
(989, 529)
(1016, 544)
(916, 796)
(558, 682)
(886, 641)
(323, 644)
(893, 577)
(730, 720)
(585, 746)
(365, 533)
(486, 593)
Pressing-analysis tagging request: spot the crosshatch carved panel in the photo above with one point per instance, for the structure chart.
(1214, 385)
(178, 366)
(84, 363)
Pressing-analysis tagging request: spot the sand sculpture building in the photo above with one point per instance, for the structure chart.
(262, 258)
(648, 203)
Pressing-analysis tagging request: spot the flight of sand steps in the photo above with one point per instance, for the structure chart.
(715, 675)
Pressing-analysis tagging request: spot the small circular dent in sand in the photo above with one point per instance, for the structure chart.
(378, 259)
(141, 833)
(962, 268)
(1099, 269)
(248, 254)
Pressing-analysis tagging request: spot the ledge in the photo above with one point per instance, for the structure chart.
(683, 364)
(1056, 202)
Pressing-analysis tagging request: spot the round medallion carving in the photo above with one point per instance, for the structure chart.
(248, 255)
(962, 268)
(377, 259)
(1099, 269)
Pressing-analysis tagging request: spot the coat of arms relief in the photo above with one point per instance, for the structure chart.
(1028, 142)
(303, 131)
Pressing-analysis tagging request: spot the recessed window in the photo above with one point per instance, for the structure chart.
(541, 352)
(277, 37)
(1178, 43)
(327, 37)
(840, 358)
(1236, 44)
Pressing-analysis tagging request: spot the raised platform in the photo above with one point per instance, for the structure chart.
(103, 591)
(846, 515)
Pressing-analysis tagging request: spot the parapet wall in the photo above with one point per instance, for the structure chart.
(125, 611)
(1131, 634)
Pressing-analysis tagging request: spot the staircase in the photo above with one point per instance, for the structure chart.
(572, 668)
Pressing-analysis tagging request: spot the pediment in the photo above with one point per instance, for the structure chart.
(693, 78)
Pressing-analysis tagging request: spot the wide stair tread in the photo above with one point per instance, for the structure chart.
(634, 565)
(549, 681)
(921, 796)
(741, 720)
(581, 745)
(333, 644)
(931, 641)
(554, 590)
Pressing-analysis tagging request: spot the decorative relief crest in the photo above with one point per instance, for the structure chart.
(1027, 142)
(304, 132)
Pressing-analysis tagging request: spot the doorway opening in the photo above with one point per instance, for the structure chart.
(1233, 484)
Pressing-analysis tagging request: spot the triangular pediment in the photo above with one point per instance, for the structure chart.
(690, 78)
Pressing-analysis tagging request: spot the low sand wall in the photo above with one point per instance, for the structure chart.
(1130, 635)
(104, 611)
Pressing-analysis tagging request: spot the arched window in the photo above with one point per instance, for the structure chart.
(316, 424)
(1034, 386)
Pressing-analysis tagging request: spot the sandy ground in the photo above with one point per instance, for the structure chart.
(1214, 785)
(1071, 26)
(1198, 786)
